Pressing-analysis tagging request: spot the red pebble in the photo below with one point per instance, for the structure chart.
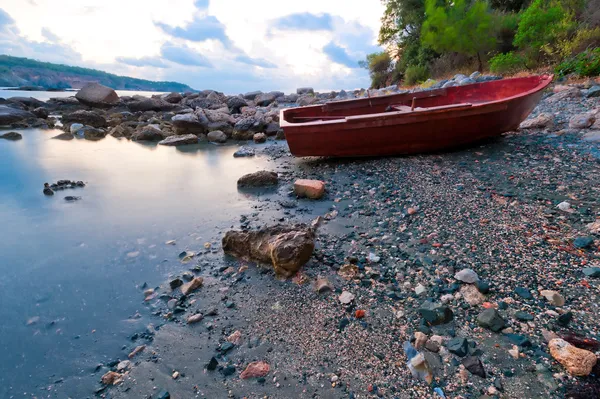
(359, 314)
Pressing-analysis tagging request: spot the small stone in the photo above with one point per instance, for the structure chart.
(420, 340)
(163, 395)
(259, 137)
(175, 283)
(229, 370)
(175, 375)
(255, 370)
(193, 285)
(591, 271)
(48, 191)
(565, 207)
(523, 316)
(226, 347)
(244, 152)
(553, 297)
(12, 136)
(235, 338)
(541, 121)
(261, 178)
(578, 362)
(138, 349)
(420, 289)
(490, 318)
(195, 318)
(458, 346)
(124, 365)
(322, 285)
(111, 378)
(346, 297)
(483, 286)
(472, 295)
(523, 293)
(344, 322)
(582, 121)
(583, 242)
(474, 365)
(467, 276)
(435, 313)
(313, 189)
(212, 364)
(565, 319)
(514, 352)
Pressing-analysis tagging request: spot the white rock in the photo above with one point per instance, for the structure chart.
(75, 127)
(565, 207)
(346, 297)
(467, 276)
(420, 289)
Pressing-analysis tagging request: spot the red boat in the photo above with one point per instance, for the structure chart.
(411, 123)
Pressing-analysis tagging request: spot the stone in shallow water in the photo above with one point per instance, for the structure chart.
(12, 136)
(244, 152)
(184, 139)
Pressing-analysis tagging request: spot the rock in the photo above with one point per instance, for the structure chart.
(64, 136)
(48, 191)
(591, 271)
(417, 364)
(244, 152)
(346, 297)
(92, 134)
(565, 319)
(286, 247)
(245, 128)
(523, 293)
(137, 350)
(195, 318)
(9, 115)
(306, 100)
(305, 90)
(143, 104)
(322, 285)
(87, 118)
(467, 276)
(255, 370)
(12, 136)
(313, 189)
(265, 99)
(553, 297)
(190, 123)
(235, 104)
(571, 92)
(259, 137)
(420, 289)
(582, 121)
(435, 313)
(583, 242)
(490, 318)
(475, 75)
(41, 112)
(124, 365)
(459, 346)
(216, 136)
(192, 286)
(565, 207)
(594, 227)
(578, 362)
(112, 378)
(280, 135)
(184, 139)
(148, 133)
(593, 91)
(261, 178)
(97, 95)
(219, 116)
(420, 340)
(472, 295)
(212, 364)
(523, 316)
(466, 81)
(474, 365)
(514, 352)
(483, 286)
(542, 121)
(121, 131)
(173, 98)
(75, 127)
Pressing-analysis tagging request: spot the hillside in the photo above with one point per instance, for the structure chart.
(16, 71)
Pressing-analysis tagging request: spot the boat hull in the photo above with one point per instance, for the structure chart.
(413, 132)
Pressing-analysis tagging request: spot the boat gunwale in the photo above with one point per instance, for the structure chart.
(545, 80)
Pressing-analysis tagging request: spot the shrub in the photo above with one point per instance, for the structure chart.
(416, 74)
(583, 64)
(379, 66)
(506, 63)
(584, 38)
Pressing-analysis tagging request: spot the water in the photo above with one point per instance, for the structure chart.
(75, 270)
(46, 95)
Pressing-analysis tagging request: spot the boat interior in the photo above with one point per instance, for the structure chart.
(451, 98)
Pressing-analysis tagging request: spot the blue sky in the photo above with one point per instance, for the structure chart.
(228, 45)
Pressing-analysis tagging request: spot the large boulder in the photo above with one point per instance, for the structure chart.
(13, 136)
(97, 95)
(41, 112)
(305, 90)
(9, 115)
(252, 95)
(265, 99)
(286, 248)
(121, 131)
(184, 139)
(190, 123)
(306, 99)
(245, 128)
(144, 104)
(216, 136)
(88, 118)
(221, 126)
(235, 104)
(91, 133)
(27, 101)
(218, 116)
(173, 98)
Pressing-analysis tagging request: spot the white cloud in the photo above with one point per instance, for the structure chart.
(248, 47)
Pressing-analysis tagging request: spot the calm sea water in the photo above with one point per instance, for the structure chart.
(70, 273)
(46, 95)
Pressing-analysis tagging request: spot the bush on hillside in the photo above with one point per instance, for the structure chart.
(583, 64)
(506, 63)
(416, 74)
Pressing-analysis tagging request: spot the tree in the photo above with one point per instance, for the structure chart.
(379, 66)
(458, 27)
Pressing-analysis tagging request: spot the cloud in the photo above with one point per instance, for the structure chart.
(339, 55)
(259, 62)
(202, 4)
(48, 35)
(5, 19)
(156, 62)
(202, 28)
(184, 56)
(304, 21)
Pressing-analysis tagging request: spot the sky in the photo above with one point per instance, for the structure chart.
(232, 46)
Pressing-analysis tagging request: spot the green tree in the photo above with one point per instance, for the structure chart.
(379, 66)
(458, 26)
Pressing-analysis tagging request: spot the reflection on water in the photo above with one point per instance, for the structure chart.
(67, 284)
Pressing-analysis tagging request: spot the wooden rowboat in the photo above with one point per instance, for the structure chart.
(411, 123)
